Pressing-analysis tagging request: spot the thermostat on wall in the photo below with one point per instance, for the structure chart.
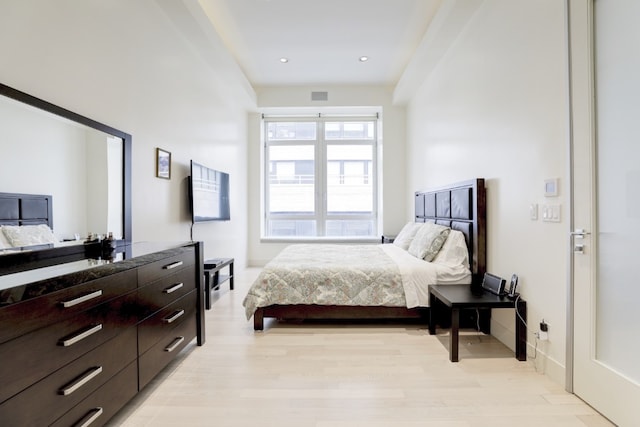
(551, 187)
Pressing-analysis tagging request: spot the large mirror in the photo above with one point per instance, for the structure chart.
(83, 164)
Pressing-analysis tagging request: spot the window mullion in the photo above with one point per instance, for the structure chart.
(321, 181)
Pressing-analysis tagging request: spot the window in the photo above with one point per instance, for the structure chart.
(320, 177)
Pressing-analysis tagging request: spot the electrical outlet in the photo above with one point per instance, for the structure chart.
(543, 335)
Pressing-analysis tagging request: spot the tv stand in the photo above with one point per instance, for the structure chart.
(213, 278)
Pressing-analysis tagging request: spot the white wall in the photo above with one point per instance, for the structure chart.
(34, 149)
(151, 69)
(495, 106)
(393, 152)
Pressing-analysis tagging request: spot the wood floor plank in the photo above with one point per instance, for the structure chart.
(346, 375)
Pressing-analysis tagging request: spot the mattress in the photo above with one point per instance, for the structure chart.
(361, 275)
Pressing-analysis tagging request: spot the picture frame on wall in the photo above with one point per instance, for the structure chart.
(163, 163)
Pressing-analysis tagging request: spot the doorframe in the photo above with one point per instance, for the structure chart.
(570, 265)
(588, 53)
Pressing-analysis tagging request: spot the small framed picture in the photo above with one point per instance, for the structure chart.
(163, 163)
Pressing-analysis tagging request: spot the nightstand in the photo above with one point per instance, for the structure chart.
(387, 238)
(459, 297)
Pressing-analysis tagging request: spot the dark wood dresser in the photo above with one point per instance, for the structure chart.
(79, 339)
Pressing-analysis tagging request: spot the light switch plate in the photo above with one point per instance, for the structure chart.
(533, 211)
(551, 213)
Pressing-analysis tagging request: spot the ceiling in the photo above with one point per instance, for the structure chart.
(322, 39)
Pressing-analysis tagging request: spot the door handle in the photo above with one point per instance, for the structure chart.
(579, 233)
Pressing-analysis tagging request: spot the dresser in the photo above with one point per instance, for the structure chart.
(81, 338)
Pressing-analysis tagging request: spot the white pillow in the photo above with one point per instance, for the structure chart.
(4, 243)
(406, 235)
(29, 235)
(428, 241)
(454, 252)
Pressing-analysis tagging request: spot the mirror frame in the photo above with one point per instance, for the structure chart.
(75, 117)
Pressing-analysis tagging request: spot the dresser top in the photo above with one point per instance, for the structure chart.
(19, 286)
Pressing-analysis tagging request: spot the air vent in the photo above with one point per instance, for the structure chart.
(319, 96)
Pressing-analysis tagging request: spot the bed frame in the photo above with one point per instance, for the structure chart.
(26, 209)
(32, 209)
(461, 206)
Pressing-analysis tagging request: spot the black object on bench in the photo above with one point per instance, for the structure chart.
(213, 278)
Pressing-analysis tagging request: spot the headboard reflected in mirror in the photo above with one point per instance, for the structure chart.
(26, 223)
(26, 209)
(83, 164)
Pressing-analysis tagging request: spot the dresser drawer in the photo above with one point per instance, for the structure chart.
(103, 403)
(29, 358)
(164, 351)
(68, 386)
(158, 294)
(155, 270)
(164, 321)
(21, 318)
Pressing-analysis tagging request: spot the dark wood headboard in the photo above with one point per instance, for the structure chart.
(26, 209)
(461, 206)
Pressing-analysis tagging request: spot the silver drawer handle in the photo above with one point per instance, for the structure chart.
(173, 288)
(173, 265)
(90, 418)
(82, 335)
(174, 344)
(76, 301)
(175, 316)
(85, 378)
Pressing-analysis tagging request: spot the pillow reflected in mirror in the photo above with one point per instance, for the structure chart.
(28, 235)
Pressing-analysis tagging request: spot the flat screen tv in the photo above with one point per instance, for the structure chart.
(209, 194)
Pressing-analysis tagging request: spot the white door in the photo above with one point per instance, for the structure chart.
(605, 81)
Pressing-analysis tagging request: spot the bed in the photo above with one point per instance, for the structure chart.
(370, 281)
(26, 234)
(25, 209)
(25, 220)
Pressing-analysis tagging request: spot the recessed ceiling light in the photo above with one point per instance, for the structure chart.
(284, 60)
(363, 58)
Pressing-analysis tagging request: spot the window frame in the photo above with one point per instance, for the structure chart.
(321, 145)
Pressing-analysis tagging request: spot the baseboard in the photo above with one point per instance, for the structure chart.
(535, 355)
(257, 263)
(544, 364)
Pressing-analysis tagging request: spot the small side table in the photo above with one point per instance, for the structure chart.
(458, 297)
(213, 278)
(386, 238)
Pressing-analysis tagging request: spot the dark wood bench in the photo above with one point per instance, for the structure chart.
(213, 278)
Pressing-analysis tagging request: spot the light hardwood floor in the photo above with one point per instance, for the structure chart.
(346, 376)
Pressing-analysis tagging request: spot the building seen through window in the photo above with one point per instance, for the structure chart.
(320, 178)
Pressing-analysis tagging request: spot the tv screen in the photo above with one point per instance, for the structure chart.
(209, 193)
